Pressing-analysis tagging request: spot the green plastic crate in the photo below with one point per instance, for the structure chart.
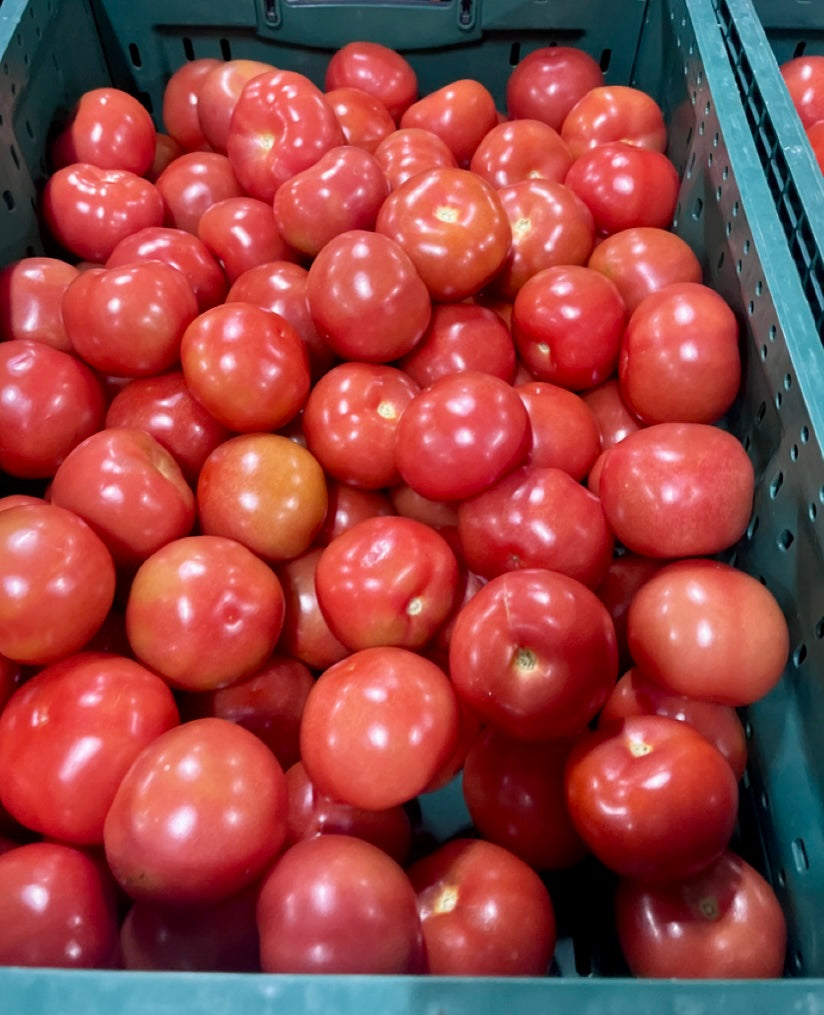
(53, 50)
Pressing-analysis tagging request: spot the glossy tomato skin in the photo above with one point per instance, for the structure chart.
(31, 294)
(378, 726)
(57, 909)
(198, 816)
(50, 401)
(204, 612)
(241, 233)
(548, 82)
(452, 225)
(192, 183)
(68, 577)
(484, 912)
(377, 70)
(626, 574)
(614, 113)
(108, 128)
(677, 490)
(565, 433)
(403, 153)
(533, 653)
(338, 904)
(708, 630)
(180, 100)
(615, 420)
(461, 113)
(306, 635)
(363, 118)
(218, 94)
(518, 150)
(804, 78)
(69, 736)
(651, 797)
(348, 505)
(166, 150)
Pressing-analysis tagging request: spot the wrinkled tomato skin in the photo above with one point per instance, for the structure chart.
(31, 294)
(548, 82)
(376, 70)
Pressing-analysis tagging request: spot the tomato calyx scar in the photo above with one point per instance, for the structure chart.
(447, 213)
(638, 748)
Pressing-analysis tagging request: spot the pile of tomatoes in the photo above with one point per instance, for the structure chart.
(355, 440)
(804, 78)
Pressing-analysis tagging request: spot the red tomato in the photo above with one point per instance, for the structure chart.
(548, 82)
(350, 419)
(634, 694)
(194, 182)
(57, 909)
(363, 118)
(90, 210)
(383, 316)
(461, 113)
(708, 630)
(614, 419)
(281, 125)
(69, 735)
(51, 566)
(460, 435)
(403, 153)
(723, 923)
(180, 100)
(453, 226)
(107, 128)
(343, 190)
(129, 321)
(246, 365)
(651, 797)
(218, 94)
(484, 912)
(679, 357)
(402, 574)
(49, 402)
(518, 150)
(626, 574)
(166, 150)
(378, 726)
(614, 113)
(514, 791)
(625, 186)
(815, 135)
(677, 490)
(31, 294)
(265, 491)
(306, 634)
(349, 505)
(377, 70)
(204, 612)
(241, 233)
(564, 430)
(567, 322)
(533, 653)
(338, 904)
(198, 816)
(804, 78)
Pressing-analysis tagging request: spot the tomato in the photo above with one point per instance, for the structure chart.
(204, 612)
(265, 491)
(626, 574)
(815, 135)
(247, 366)
(484, 912)
(281, 125)
(380, 317)
(338, 904)
(461, 113)
(164, 407)
(377, 70)
(404, 153)
(180, 100)
(614, 113)
(218, 94)
(567, 322)
(564, 430)
(363, 118)
(343, 190)
(643, 259)
(349, 505)
(402, 574)
(378, 726)
(241, 233)
(625, 186)
(129, 321)
(350, 419)
(198, 816)
(651, 797)
(57, 909)
(306, 633)
(69, 735)
(533, 653)
(90, 210)
(804, 78)
(166, 150)
(679, 357)
(677, 490)
(461, 336)
(518, 150)
(453, 226)
(51, 566)
(460, 435)
(615, 421)
(49, 402)
(107, 128)
(548, 82)
(514, 791)
(31, 294)
(724, 922)
(194, 182)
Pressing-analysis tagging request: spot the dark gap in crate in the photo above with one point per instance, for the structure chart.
(271, 15)
(777, 483)
(800, 857)
(605, 59)
(514, 54)
(8, 200)
(793, 452)
(799, 48)
(466, 15)
(134, 55)
(785, 539)
(188, 48)
(799, 655)
(15, 157)
(225, 49)
(146, 99)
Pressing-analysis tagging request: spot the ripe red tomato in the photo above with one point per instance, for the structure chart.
(564, 430)
(724, 923)
(166, 150)
(614, 419)
(349, 505)
(614, 113)
(461, 113)
(306, 635)
(241, 233)
(192, 183)
(484, 912)
(378, 726)
(198, 816)
(804, 78)
(51, 566)
(31, 295)
(180, 100)
(70, 734)
(204, 612)
(363, 118)
(403, 153)
(338, 904)
(518, 150)
(627, 572)
(651, 797)
(548, 82)
(377, 70)
(815, 135)
(107, 128)
(533, 653)
(217, 97)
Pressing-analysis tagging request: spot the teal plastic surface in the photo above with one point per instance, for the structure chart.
(676, 50)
